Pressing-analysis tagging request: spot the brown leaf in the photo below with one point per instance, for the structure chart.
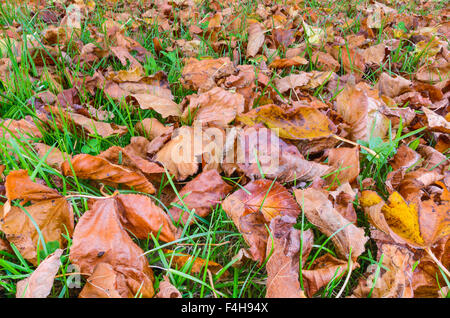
(394, 280)
(18, 128)
(141, 217)
(152, 128)
(346, 160)
(217, 106)
(202, 193)
(284, 248)
(39, 284)
(161, 105)
(167, 290)
(196, 264)
(288, 62)
(255, 38)
(392, 86)
(251, 209)
(303, 80)
(360, 106)
(322, 271)
(404, 158)
(100, 237)
(51, 212)
(320, 212)
(95, 168)
(55, 158)
(201, 75)
(133, 156)
(178, 155)
(103, 283)
(260, 150)
(296, 123)
(374, 54)
(80, 124)
(436, 122)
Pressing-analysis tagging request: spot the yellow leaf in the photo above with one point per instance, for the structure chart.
(402, 218)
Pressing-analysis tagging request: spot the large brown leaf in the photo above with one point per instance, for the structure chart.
(48, 209)
(201, 75)
(285, 246)
(217, 106)
(96, 168)
(320, 212)
(100, 237)
(294, 123)
(141, 217)
(260, 150)
(203, 193)
(251, 209)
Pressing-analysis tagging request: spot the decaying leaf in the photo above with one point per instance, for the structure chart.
(86, 166)
(167, 290)
(200, 195)
(294, 123)
(251, 209)
(100, 237)
(39, 284)
(48, 210)
(347, 237)
(284, 247)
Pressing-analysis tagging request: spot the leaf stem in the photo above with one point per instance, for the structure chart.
(438, 263)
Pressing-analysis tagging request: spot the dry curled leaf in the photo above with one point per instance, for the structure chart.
(201, 75)
(347, 237)
(284, 247)
(86, 166)
(100, 237)
(201, 194)
(217, 106)
(48, 209)
(39, 284)
(255, 38)
(167, 290)
(253, 207)
(293, 123)
(394, 279)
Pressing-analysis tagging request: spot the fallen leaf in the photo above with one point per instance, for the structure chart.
(293, 123)
(100, 237)
(284, 247)
(200, 195)
(394, 278)
(251, 209)
(255, 38)
(49, 210)
(217, 106)
(40, 283)
(167, 290)
(322, 271)
(85, 166)
(320, 212)
(201, 75)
